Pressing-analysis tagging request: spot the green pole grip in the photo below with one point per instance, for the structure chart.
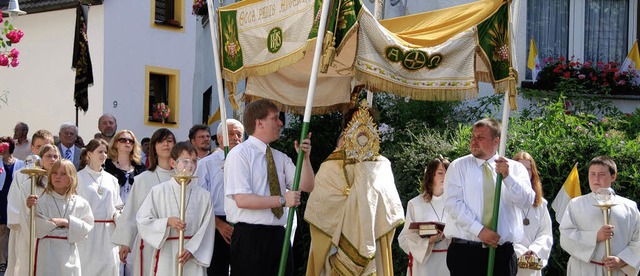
(292, 210)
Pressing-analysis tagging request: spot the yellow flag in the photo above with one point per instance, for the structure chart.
(570, 189)
(633, 59)
(214, 118)
(533, 62)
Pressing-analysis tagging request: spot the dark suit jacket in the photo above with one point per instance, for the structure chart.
(76, 155)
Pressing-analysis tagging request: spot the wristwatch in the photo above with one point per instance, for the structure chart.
(282, 201)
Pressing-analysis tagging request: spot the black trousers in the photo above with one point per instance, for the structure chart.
(256, 249)
(220, 259)
(470, 258)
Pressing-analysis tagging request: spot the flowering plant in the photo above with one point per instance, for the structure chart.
(13, 36)
(598, 78)
(199, 7)
(161, 111)
(3, 147)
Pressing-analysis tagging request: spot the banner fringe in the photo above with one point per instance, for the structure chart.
(377, 84)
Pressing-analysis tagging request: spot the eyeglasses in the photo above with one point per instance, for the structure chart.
(125, 140)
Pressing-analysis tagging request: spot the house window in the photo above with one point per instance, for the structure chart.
(162, 96)
(167, 14)
(589, 30)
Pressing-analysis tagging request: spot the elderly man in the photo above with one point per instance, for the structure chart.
(200, 137)
(68, 149)
(23, 145)
(210, 176)
(469, 188)
(107, 125)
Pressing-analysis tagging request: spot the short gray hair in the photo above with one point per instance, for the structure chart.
(230, 121)
(68, 125)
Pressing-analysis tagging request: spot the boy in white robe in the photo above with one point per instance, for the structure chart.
(159, 223)
(582, 230)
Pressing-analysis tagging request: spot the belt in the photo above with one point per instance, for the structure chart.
(597, 263)
(466, 242)
(104, 221)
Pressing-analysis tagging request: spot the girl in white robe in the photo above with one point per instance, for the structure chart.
(100, 189)
(159, 223)
(18, 213)
(427, 256)
(538, 236)
(63, 220)
(126, 233)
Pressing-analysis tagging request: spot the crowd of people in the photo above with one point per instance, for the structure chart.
(112, 206)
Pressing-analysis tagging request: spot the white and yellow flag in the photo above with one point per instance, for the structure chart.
(631, 64)
(570, 189)
(533, 63)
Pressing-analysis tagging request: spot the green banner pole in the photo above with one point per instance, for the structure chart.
(313, 78)
(496, 201)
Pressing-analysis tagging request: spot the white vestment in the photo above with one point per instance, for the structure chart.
(18, 222)
(164, 202)
(428, 258)
(99, 254)
(57, 250)
(538, 237)
(579, 228)
(126, 232)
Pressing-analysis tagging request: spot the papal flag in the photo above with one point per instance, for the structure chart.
(570, 189)
(533, 63)
(632, 62)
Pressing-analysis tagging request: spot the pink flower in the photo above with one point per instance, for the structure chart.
(14, 37)
(1, 18)
(566, 75)
(4, 60)
(605, 120)
(15, 62)
(582, 76)
(567, 105)
(14, 53)
(561, 59)
(606, 135)
(621, 83)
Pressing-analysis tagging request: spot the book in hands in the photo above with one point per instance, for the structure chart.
(427, 228)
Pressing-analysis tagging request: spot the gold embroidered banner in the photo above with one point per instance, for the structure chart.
(260, 36)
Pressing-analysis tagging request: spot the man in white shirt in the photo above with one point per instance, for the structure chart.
(23, 145)
(469, 204)
(68, 149)
(256, 178)
(211, 177)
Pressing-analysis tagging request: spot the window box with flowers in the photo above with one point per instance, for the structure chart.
(592, 78)
(200, 7)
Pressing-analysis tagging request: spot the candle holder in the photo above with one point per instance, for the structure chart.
(605, 198)
(33, 170)
(184, 173)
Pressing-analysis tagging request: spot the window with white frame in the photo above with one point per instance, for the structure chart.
(588, 30)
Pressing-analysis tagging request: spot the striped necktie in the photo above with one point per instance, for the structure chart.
(67, 155)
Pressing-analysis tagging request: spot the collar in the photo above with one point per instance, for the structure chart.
(90, 171)
(257, 143)
(65, 148)
(491, 161)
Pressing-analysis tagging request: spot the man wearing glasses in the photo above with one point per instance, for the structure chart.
(200, 137)
(68, 149)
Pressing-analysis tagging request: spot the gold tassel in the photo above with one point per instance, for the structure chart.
(231, 87)
(329, 52)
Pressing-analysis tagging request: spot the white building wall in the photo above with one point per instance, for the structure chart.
(41, 88)
(130, 45)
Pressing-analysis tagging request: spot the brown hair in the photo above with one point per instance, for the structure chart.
(90, 147)
(42, 134)
(536, 185)
(256, 110)
(426, 185)
(71, 172)
(135, 152)
(157, 137)
(491, 123)
(605, 161)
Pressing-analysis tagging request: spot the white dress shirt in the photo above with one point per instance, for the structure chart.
(245, 172)
(464, 199)
(211, 178)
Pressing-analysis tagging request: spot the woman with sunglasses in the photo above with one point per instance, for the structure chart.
(100, 189)
(126, 234)
(124, 160)
(18, 213)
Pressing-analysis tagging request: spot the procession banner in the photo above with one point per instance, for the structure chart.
(260, 36)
